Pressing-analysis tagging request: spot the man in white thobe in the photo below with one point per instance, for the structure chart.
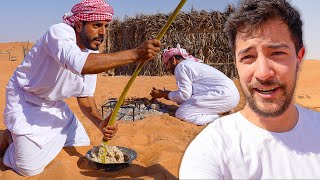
(63, 63)
(203, 91)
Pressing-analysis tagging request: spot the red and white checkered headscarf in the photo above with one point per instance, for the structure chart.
(169, 53)
(89, 10)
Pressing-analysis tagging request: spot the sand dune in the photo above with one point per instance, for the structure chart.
(159, 141)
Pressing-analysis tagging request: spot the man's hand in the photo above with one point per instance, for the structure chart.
(157, 93)
(148, 50)
(108, 131)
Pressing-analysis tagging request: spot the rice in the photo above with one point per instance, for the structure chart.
(107, 154)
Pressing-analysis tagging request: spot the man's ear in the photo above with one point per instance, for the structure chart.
(78, 26)
(174, 60)
(301, 55)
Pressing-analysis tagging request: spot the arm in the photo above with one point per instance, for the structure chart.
(62, 47)
(97, 63)
(184, 78)
(90, 110)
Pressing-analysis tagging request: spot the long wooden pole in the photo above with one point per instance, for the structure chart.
(140, 66)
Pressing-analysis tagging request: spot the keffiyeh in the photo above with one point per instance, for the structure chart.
(168, 53)
(89, 10)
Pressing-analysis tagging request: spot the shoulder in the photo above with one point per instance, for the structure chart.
(61, 29)
(188, 62)
(186, 66)
(306, 110)
(181, 68)
(217, 139)
(308, 114)
(61, 26)
(224, 129)
(227, 124)
(184, 63)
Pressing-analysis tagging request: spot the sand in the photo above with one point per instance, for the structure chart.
(159, 141)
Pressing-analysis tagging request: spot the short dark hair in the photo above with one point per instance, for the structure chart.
(251, 14)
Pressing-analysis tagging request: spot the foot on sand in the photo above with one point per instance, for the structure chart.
(5, 141)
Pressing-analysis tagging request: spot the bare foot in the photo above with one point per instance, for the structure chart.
(5, 141)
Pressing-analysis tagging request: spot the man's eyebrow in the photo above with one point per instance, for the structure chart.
(244, 50)
(278, 45)
(271, 46)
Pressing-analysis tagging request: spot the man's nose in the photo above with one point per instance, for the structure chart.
(263, 69)
(102, 30)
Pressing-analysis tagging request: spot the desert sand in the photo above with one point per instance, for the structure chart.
(159, 141)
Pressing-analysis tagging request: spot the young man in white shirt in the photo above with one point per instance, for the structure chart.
(203, 91)
(63, 63)
(271, 138)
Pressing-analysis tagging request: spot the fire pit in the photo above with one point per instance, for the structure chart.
(134, 108)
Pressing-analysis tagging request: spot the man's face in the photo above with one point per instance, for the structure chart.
(169, 65)
(267, 65)
(93, 33)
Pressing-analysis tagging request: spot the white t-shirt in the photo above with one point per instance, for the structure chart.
(234, 148)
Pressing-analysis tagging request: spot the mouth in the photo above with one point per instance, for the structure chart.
(98, 40)
(267, 92)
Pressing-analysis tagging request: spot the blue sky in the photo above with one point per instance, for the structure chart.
(23, 20)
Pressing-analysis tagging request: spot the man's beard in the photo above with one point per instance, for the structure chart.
(172, 71)
(86, 40)
(283, 105)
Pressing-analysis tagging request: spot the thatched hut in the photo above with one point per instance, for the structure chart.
(199, 32)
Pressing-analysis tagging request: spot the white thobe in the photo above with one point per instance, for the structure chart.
(40, 121)
(203, 92)
(234, 148)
